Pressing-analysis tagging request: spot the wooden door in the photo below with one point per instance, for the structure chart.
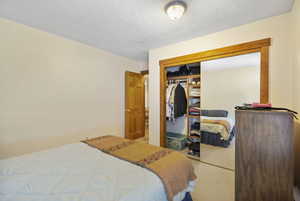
(134, 105)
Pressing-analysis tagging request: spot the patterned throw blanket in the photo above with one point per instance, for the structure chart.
(173, 168)
(223, 127)
(224, 123)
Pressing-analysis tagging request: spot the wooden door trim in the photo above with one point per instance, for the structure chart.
(261, 46)
(216, 53)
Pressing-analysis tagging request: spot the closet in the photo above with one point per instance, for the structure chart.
(183, 108)
(225, 75)
(206, 90)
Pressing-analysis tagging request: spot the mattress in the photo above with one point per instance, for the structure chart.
(77, 172)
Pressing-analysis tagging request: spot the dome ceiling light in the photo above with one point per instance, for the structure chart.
(175, 9)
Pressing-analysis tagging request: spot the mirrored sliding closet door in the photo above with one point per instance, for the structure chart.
(225, 83)
(200, 101)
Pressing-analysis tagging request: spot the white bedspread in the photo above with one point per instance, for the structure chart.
(77, 172)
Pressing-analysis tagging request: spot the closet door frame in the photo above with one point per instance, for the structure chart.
(260, 46)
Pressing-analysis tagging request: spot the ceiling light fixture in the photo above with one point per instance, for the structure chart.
(175, 9)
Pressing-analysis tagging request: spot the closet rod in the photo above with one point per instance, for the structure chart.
(177, 81)
(183, 77)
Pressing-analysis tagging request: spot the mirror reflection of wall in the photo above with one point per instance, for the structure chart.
(230, 81)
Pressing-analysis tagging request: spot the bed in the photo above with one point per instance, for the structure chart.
(79, 172)
(215, 139)
(216, 128)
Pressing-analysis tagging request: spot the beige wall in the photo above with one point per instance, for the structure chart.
(296, 42)
(281, 83)
(55, 91)
(296, 91)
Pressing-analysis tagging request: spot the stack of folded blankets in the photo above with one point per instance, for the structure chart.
(194, 109)
(195, 92)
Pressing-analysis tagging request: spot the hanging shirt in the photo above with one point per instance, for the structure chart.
(170, 101)
(180, 101)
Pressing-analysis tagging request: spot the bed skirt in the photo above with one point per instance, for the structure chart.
(215, 139)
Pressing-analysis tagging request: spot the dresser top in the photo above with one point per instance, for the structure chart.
(275, 112)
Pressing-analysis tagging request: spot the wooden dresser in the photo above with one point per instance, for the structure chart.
(264, 156)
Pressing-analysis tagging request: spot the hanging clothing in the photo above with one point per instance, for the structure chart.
(180, 101)
(170, 101)
(176, 102)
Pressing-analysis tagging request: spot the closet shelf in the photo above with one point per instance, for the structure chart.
(194, 85)
(183, 77)
(193, 157)
(194, 96)
(185, 152)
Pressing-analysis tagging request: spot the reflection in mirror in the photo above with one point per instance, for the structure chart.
(200, 101)
(225, 83)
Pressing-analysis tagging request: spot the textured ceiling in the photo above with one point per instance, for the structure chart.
(130, 28)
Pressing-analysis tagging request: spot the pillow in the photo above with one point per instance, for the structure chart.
(214, 113)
